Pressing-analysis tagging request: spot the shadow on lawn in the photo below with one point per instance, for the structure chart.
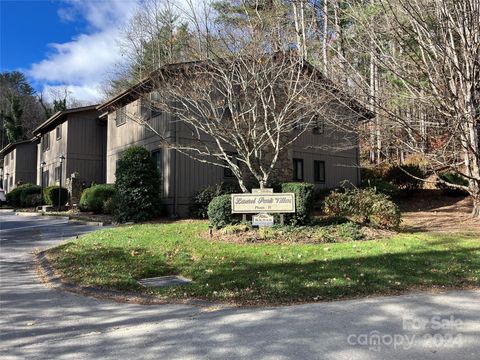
(350, 277)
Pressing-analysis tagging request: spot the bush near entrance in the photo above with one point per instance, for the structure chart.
(304, 201)
(51, 195)
(364, 206)
(137, 185)
(220, 211)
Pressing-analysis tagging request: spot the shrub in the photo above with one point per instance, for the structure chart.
(220, 211)
(304, 201)
(235, 229)
(365, 206)
(94, 197)
(109, 205)
(51, 195)
(452, 178)
(383, 187)
(23, 195)
(399, 175)
(201, 199)
(374, 172)
(137, 186)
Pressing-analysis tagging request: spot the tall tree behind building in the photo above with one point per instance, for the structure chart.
(20, 111)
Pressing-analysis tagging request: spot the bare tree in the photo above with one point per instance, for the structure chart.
(244, 112)
(427, 55)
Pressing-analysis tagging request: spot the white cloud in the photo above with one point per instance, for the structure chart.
(86, 94)
(84, 63)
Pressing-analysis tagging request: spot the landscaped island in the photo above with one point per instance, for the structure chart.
(266, 273)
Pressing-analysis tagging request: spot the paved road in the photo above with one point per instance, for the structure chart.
(41, 323)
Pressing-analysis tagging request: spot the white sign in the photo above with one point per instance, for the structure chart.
(263, 203)
(262, 220)
(262, 191)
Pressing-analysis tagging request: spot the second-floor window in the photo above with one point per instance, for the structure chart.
(11, 156)
(297, 169)
(57, 173)
(6, 160)
(318, 126)
(120, 116)
(58, 132)
(46, 142)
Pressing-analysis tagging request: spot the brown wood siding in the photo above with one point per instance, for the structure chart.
(51, 156)
(86, 147)
(22, 169)
(183, 176)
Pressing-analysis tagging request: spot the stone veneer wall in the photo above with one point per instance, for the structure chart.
(75, 187)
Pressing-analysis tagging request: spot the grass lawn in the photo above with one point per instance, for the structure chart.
(267, 273)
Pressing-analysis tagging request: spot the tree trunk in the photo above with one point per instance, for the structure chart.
(475, 193)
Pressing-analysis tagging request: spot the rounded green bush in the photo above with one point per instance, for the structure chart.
(52, 196)
(137, 186)
(304, 201)
(220, 211)
(364, 206)
(23, 195)
(94, 197)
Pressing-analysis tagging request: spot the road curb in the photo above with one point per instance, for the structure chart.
(48, 276)
(59, 217)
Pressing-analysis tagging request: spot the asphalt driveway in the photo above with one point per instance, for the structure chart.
(37, 322)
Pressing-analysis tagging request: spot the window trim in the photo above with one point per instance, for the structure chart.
(318, 127)
(319, 181)
(295, 161)
(122, 114)
(46, 142)
(58, 130)
(57, 173)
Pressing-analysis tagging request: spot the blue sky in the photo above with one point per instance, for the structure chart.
(69, 44)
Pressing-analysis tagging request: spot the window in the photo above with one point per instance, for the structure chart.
(11, 181)
(46, 142)
(318, 126)
(57, 173)
(298, 169)
(11, 155)
(120, 116)
(58, 132)
(45, 178)
(319, 171)
(6, 160)
(158, 160)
